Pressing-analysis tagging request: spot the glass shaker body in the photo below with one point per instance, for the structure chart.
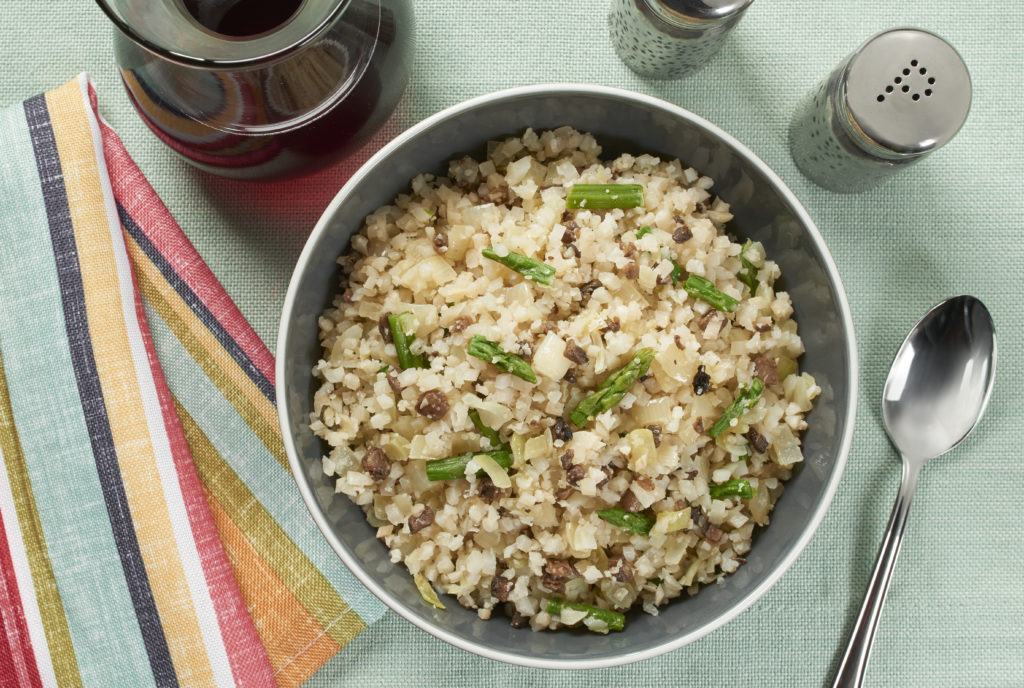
(240, 99)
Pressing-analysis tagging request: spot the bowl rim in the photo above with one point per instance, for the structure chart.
(568, 90)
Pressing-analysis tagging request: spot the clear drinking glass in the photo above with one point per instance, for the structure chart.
(263, 89)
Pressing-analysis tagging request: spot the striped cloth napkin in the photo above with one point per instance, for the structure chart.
(150, 531)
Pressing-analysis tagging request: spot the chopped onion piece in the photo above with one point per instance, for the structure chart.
(549, 358)
(642, 452)
(787, 448)
(426, 591)
(539, 446)
(433, 271)
(784, 367)
(575, 588)
(571, 617)
(518, 445)
(671, 521)
(493, 414)
(495, 472)
(801, 389)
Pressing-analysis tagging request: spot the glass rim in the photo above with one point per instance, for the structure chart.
(216, 63)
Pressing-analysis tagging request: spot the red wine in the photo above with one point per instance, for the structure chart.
(245, 17)
(207, 116)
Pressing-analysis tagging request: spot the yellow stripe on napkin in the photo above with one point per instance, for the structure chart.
(111, 347)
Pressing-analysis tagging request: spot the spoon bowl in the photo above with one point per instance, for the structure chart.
(941, 379)
(937, 390)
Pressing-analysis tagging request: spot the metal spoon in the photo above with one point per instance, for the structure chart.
(936, 392)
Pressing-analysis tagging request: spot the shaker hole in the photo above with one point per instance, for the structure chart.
(905, 71)
(923, 70)
(931, 80)
(927, 91)
(881, 98)
(898, 79)
(913, 63)
(916, 96)
(888, 89)
(905, 88)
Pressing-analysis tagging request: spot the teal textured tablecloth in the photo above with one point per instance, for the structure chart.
(952, 224)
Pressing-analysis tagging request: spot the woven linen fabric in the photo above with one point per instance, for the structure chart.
(950, 224)
(150, 533)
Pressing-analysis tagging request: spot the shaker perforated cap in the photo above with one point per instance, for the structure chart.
(699, 10)
(907, 92)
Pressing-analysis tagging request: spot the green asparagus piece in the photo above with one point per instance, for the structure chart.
(703, 289)
(402, 341)
(749, 273)
(642, 232)
(486, 350)
(737, 487)
(454, 467)
(610, 392)
(613, 620)
(527, 267)
(490, 433)
(677, 272)
(746, 398)
(603, 196)
(639, 523)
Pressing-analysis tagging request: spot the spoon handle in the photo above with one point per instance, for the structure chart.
(851, 670)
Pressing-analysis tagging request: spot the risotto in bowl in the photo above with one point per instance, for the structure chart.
(540, 376)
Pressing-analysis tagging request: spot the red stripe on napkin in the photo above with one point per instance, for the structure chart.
(133, 191)
(17, 660)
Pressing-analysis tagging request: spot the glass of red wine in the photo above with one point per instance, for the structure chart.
(263, 89)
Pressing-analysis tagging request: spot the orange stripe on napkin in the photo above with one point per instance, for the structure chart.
(296, 643)
(289, 563)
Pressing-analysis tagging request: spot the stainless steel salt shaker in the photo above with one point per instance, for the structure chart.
(667, 39)
(901, 95)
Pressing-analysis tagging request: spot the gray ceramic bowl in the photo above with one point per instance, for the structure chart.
(764, 209)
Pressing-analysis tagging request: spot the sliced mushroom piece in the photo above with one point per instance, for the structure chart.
(384, 327)
(500, 587)
(765, 368)
(757, 441)
(575, 473)
(621, 569)
(656, 433)
(575, 353)
(630, 503)
(376, 463)
(561, 430)
(422, 520)
(433, 404)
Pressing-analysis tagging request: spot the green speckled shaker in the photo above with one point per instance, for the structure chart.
(668, 39)
(900, 96)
